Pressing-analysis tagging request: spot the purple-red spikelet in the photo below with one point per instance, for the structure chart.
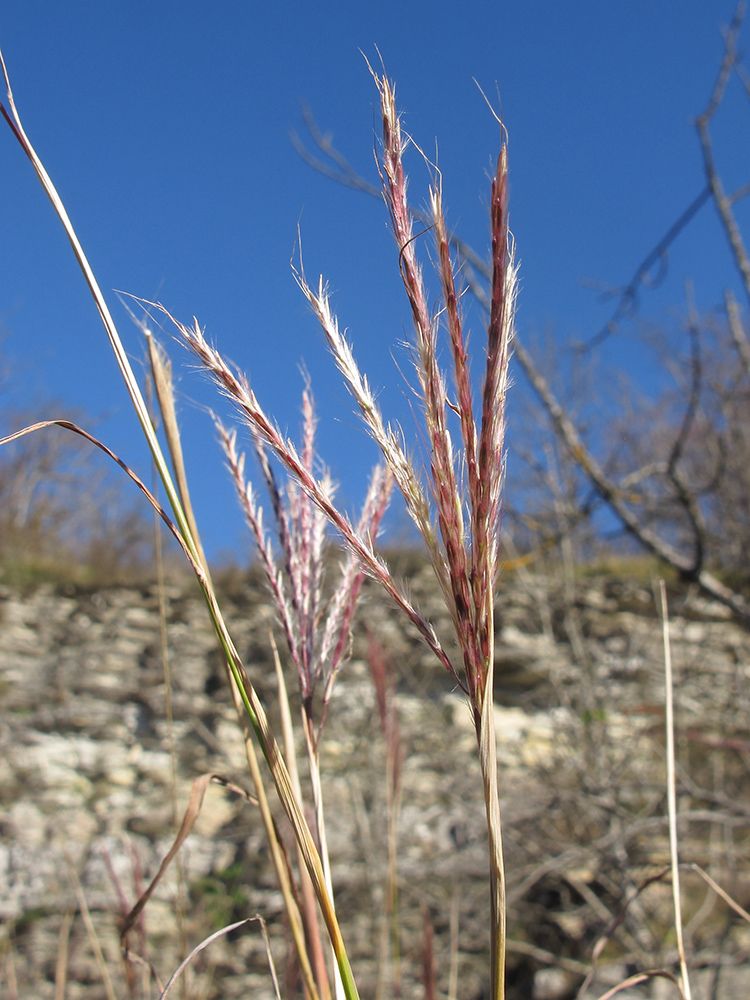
(487, 507)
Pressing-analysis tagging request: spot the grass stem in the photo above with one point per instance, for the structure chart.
(671, 791)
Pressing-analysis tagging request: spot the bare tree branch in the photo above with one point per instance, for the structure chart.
(628, 296)
(722, 200)
(736, 330)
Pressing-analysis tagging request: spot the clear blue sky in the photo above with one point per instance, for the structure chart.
(165, 127)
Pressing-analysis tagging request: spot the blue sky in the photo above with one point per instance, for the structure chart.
(165, 127)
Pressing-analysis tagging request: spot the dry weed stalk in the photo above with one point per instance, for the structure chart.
(672, 790)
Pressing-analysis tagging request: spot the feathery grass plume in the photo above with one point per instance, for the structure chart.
(236, 388)
(317, 636)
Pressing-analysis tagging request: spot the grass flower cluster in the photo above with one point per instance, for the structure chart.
(451, 484)
(455, 503)
(457, 511)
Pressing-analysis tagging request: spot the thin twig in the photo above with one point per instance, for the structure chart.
(721, 892)
(204, 944)
(721, 199)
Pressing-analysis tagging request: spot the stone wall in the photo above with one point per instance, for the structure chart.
(86, 782)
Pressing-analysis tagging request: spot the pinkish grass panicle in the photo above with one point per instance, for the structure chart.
(236, 388)
(254, 518)
(318, 639)
(343, 604)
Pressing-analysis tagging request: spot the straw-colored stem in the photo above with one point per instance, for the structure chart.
(295, 922)
(313, 759)
(307, 893)
(393, 803)
(166, 667)
(485, 726)
(453, 973)
(91, 930)
(671, 791)
(63, 953)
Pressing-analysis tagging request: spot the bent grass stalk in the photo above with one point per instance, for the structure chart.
(313, 976)
(247, 694)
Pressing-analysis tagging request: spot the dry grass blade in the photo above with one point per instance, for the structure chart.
(643, 977)
(139, 404)
(161, 372)
(197, 794)
(269, 956)
(75, 429)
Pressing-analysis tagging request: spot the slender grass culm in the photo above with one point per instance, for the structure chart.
(455, 503)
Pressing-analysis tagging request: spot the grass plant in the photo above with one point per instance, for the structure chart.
(455, 502)
(457, 511)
